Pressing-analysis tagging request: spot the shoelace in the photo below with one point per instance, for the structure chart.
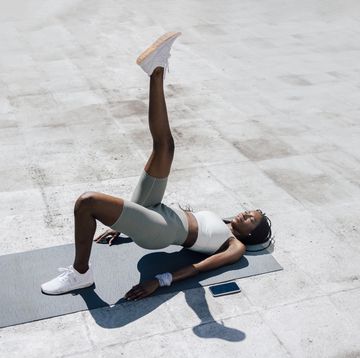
(165, 58)
(67, 273)
(167, 67)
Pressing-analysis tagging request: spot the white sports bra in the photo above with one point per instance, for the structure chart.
(213, 232)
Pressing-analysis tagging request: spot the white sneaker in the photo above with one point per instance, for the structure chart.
(157, 55)
(69, 280)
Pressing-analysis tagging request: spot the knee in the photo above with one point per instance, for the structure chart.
(85, 201)
(171, 145)
(167, 145)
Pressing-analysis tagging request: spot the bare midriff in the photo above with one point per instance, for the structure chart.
(192, 230)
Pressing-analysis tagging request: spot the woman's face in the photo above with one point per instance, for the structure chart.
(245, 222)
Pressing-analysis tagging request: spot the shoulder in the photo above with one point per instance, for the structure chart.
(232, 244)
(235, 243)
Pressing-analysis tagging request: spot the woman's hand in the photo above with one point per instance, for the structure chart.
(142, 290)
(108, 236)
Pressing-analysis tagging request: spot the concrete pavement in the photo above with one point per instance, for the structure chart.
(263, 100)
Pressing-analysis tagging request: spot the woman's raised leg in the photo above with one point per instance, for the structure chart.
(92, 206)
(159, 162)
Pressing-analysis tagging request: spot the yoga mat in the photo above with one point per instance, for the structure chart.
(116, 269)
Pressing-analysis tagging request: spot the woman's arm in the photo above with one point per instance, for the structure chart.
(233, 253)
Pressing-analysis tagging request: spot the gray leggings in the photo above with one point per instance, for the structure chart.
(149, 223)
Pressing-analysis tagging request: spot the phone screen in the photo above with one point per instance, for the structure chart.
(224, 289)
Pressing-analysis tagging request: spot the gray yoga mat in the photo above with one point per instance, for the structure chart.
(116, 269)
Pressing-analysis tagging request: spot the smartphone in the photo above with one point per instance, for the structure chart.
(224, 289)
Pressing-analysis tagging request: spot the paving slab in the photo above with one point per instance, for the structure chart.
(263, 100)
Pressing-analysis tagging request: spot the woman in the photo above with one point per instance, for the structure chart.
(145, 219)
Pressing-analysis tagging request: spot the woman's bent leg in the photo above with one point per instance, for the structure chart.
(89, 207)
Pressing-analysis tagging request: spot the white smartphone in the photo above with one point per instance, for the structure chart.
(224, 289)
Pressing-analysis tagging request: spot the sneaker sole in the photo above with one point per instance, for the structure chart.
(60, 293)
(156, 45)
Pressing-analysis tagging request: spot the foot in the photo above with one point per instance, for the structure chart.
(157, 55)
(69, 280)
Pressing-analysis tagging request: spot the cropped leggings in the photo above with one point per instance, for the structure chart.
(149, 223)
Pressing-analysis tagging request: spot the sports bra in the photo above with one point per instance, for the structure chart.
(212, 233)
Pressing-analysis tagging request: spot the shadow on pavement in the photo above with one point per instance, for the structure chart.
(124, 312)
